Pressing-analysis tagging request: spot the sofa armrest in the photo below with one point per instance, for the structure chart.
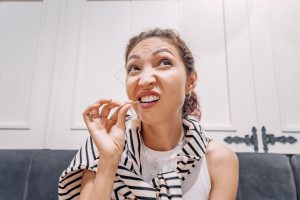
(295, 163)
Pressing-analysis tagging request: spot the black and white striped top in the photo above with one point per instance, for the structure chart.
(128, 183)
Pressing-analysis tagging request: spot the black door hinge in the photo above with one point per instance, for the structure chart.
(248, 140)
(271, 139)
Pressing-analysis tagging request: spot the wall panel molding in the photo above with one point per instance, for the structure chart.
(14, 126)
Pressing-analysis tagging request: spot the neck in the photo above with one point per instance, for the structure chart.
(163, 136)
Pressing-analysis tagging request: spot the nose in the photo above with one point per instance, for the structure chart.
(147, 78)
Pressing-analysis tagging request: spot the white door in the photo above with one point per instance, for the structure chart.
(27, 48)
(275, 37)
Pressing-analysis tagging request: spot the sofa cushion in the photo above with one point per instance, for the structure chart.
(47, 165)
(14, 171)
(265, 177)
(295, 163)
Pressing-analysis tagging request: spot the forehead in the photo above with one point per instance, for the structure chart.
(150, 45)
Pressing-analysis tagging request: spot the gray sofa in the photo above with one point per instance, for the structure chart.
(33, 175)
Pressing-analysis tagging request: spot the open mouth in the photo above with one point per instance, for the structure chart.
(148, 99)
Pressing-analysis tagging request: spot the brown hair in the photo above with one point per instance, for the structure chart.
(191, 104)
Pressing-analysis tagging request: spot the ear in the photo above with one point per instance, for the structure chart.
(191, 82)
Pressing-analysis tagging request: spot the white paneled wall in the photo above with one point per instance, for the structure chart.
(58, 56)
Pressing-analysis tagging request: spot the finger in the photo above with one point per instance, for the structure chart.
(86, 113)
(91, 114)
(114, 116)
(95, 110)
(113, 119)
(100, 122)
(96, 105)
(94, 113)
(107, 108)
(122, 116)
(109, 123)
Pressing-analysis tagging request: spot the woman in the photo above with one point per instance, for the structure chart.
(164, 154)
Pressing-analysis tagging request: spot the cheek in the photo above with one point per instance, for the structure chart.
(178, 81)
(129, 88)
(176, 84)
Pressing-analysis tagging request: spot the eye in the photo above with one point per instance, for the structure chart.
(132, 68)
(165, 62)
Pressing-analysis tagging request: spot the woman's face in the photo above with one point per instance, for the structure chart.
(156, 77)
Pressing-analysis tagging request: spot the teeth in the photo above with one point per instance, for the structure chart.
(149, 98)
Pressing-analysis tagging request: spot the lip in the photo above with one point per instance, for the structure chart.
(147, 105)
(147, 93)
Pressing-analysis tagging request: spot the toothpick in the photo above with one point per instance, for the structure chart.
(134, 102)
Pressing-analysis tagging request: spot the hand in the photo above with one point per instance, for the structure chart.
(107, 132)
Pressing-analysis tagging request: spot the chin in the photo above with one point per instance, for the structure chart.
(148, 118)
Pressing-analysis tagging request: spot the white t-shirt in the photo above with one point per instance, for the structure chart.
(197, 185)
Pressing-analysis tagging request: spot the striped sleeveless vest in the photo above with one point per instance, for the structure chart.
(128, 183)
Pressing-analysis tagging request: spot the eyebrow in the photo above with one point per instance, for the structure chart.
(163, 50)
(154, 53)
(133, 57)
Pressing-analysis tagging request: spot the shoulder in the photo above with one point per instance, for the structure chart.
(220, 154)
(223, 167)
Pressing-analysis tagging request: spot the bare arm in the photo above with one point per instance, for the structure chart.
(87, 183)
(98, 185)
(224, 172)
